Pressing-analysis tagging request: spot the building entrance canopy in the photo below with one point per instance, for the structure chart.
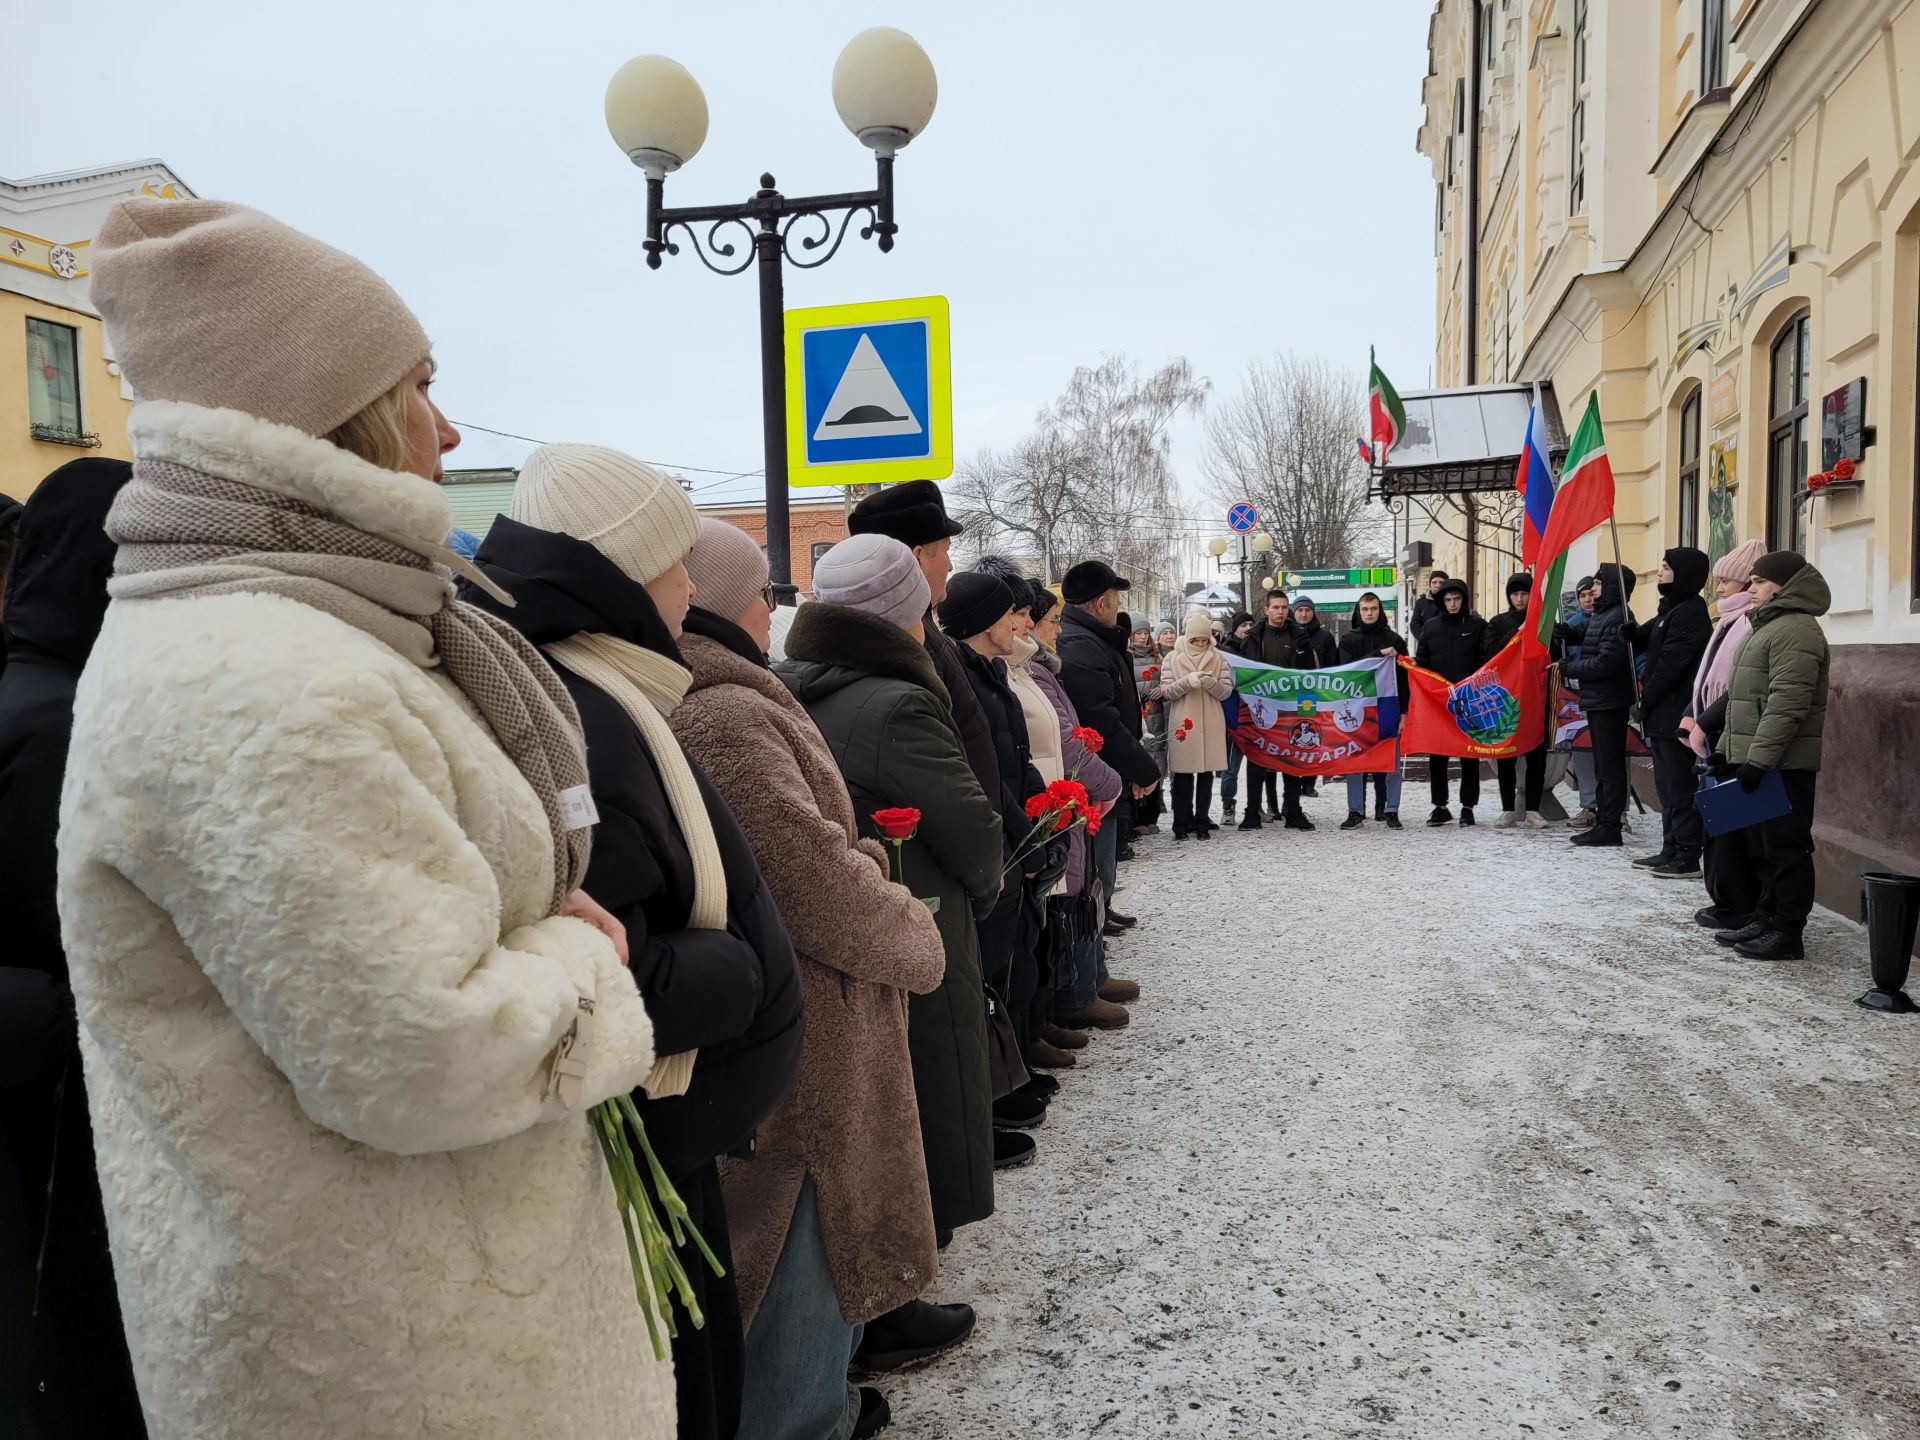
(1464, 442)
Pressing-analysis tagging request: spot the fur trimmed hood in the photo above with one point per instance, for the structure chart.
(290, 462)
(830, 646)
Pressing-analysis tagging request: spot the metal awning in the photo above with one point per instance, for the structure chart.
(1465, 441)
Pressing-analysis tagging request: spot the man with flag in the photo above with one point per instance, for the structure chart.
(1604, 668)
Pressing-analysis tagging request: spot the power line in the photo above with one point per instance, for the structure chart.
(657, 464)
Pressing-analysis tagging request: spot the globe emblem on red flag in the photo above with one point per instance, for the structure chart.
(1489, 713)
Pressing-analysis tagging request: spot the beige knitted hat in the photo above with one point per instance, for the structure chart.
(728, 569)
(218, 305)
(627, 510)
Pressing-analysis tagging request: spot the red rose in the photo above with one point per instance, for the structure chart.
(897, 824)
(1089, 738)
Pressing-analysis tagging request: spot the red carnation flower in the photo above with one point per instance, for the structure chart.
(1843, 469)
(897, 824)
(1152, 672)
(1088, 737)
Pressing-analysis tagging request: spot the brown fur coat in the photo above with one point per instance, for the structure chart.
(863, 944)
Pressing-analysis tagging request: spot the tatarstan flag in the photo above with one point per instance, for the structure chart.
(1388, 415)
(1584, 500)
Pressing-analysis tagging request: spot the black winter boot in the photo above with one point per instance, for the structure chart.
(912, 1335)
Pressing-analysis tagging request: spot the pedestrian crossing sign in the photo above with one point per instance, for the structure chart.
(869, 393)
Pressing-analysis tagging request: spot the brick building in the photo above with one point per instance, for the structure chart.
(814, 527)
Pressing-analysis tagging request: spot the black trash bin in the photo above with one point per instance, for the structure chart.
(1892, 905)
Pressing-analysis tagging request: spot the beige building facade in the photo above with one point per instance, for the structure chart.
(1708, 212)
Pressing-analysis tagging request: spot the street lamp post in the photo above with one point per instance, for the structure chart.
(884, 89)
(1262, 543)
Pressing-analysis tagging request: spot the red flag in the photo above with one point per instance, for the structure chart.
(1497, 712)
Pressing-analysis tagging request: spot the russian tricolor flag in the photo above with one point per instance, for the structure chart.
(1534, 481)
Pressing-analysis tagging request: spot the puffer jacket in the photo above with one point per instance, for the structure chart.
(1777, 704)
(1676, 640)
(1604, 667)
(1314, 647)
(1453, 645)
(1364, 642)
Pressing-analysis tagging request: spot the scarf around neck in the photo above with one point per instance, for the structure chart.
(185, 529)
(1716, 664)
(648, 686)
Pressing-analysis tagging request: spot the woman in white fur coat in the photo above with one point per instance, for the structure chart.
(342, 1008)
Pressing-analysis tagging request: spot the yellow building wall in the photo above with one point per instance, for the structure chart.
(24, 461)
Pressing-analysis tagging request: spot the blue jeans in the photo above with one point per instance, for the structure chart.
(799, 1345)
(1230, 777)
(1386, 785)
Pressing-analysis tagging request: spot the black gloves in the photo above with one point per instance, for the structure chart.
(1629, 630)
(1750, 777)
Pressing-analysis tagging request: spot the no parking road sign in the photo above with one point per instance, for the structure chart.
(1242, 517)
(869, 393)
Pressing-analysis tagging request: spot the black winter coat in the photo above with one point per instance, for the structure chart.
(1424, 609)
(1453, 645)
(1013, 751)
(1097, 672)
(1676, 640)
(1365, 642)
(1269, 644)
(733, 994)
(66, 1371)
(1503, 627)
(1604, 667)
(976, 736)
(1314, 647)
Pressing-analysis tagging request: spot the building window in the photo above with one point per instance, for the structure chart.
(818, 553)
(1487, 47)
(53, 380)
(1577, 118)
(1713, 46)
(1689, 499)
(1788, 373)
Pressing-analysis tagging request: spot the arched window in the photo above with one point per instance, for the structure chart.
(1788, 372)
(1689, 494)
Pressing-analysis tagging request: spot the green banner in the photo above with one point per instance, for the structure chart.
(1364, 577)
(1321, 689)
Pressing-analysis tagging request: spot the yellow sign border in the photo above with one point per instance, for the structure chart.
(937, 464)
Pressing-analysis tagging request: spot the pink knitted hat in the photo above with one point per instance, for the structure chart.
(728, 570)
(1737, 563)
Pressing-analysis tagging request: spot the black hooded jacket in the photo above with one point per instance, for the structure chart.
(1364, 642)
(1453, 645)
(1604, 666)
(1676, 640)
(1012, 748)
(1269, 643)
(67, 1370)
(1097, 674)
(732, 994)
(1314, 647)
(1504, 626)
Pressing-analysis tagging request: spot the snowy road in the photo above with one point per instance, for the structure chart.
(1505, 1147)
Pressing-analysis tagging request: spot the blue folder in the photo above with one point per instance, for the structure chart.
(1725, 807)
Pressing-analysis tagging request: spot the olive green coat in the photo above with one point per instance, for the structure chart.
(1777, 703)
(873, 692)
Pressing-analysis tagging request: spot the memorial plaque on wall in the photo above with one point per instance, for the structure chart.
(1723, 397)
(1843, 424)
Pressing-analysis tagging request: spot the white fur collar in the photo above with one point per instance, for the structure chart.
(236, 446)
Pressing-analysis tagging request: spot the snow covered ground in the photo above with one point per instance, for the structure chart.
(1452, 1133)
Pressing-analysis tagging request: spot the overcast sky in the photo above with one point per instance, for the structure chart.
(1215, 179)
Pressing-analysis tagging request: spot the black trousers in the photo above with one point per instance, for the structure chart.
(1469, 781)
(1292, 787)
(1192, 803)
(1733, 883)
(1264, 793)
(1681, 832)
(1781, 852)
(1509, 770)
(1609, 731)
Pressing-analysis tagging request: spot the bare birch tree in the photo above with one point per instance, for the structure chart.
(1286, 441)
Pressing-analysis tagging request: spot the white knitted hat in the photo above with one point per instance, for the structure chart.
(628, 511)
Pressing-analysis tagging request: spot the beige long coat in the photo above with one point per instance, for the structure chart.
(1195, 682)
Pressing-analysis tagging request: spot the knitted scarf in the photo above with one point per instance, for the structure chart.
(1716, 664)
(182, 531)
(1205, 667)
(648, 687)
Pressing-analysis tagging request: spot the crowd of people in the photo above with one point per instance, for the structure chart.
(1688, 687)
(350, 872)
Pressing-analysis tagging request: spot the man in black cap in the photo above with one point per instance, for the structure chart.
(915, 514)
(1098, 676)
